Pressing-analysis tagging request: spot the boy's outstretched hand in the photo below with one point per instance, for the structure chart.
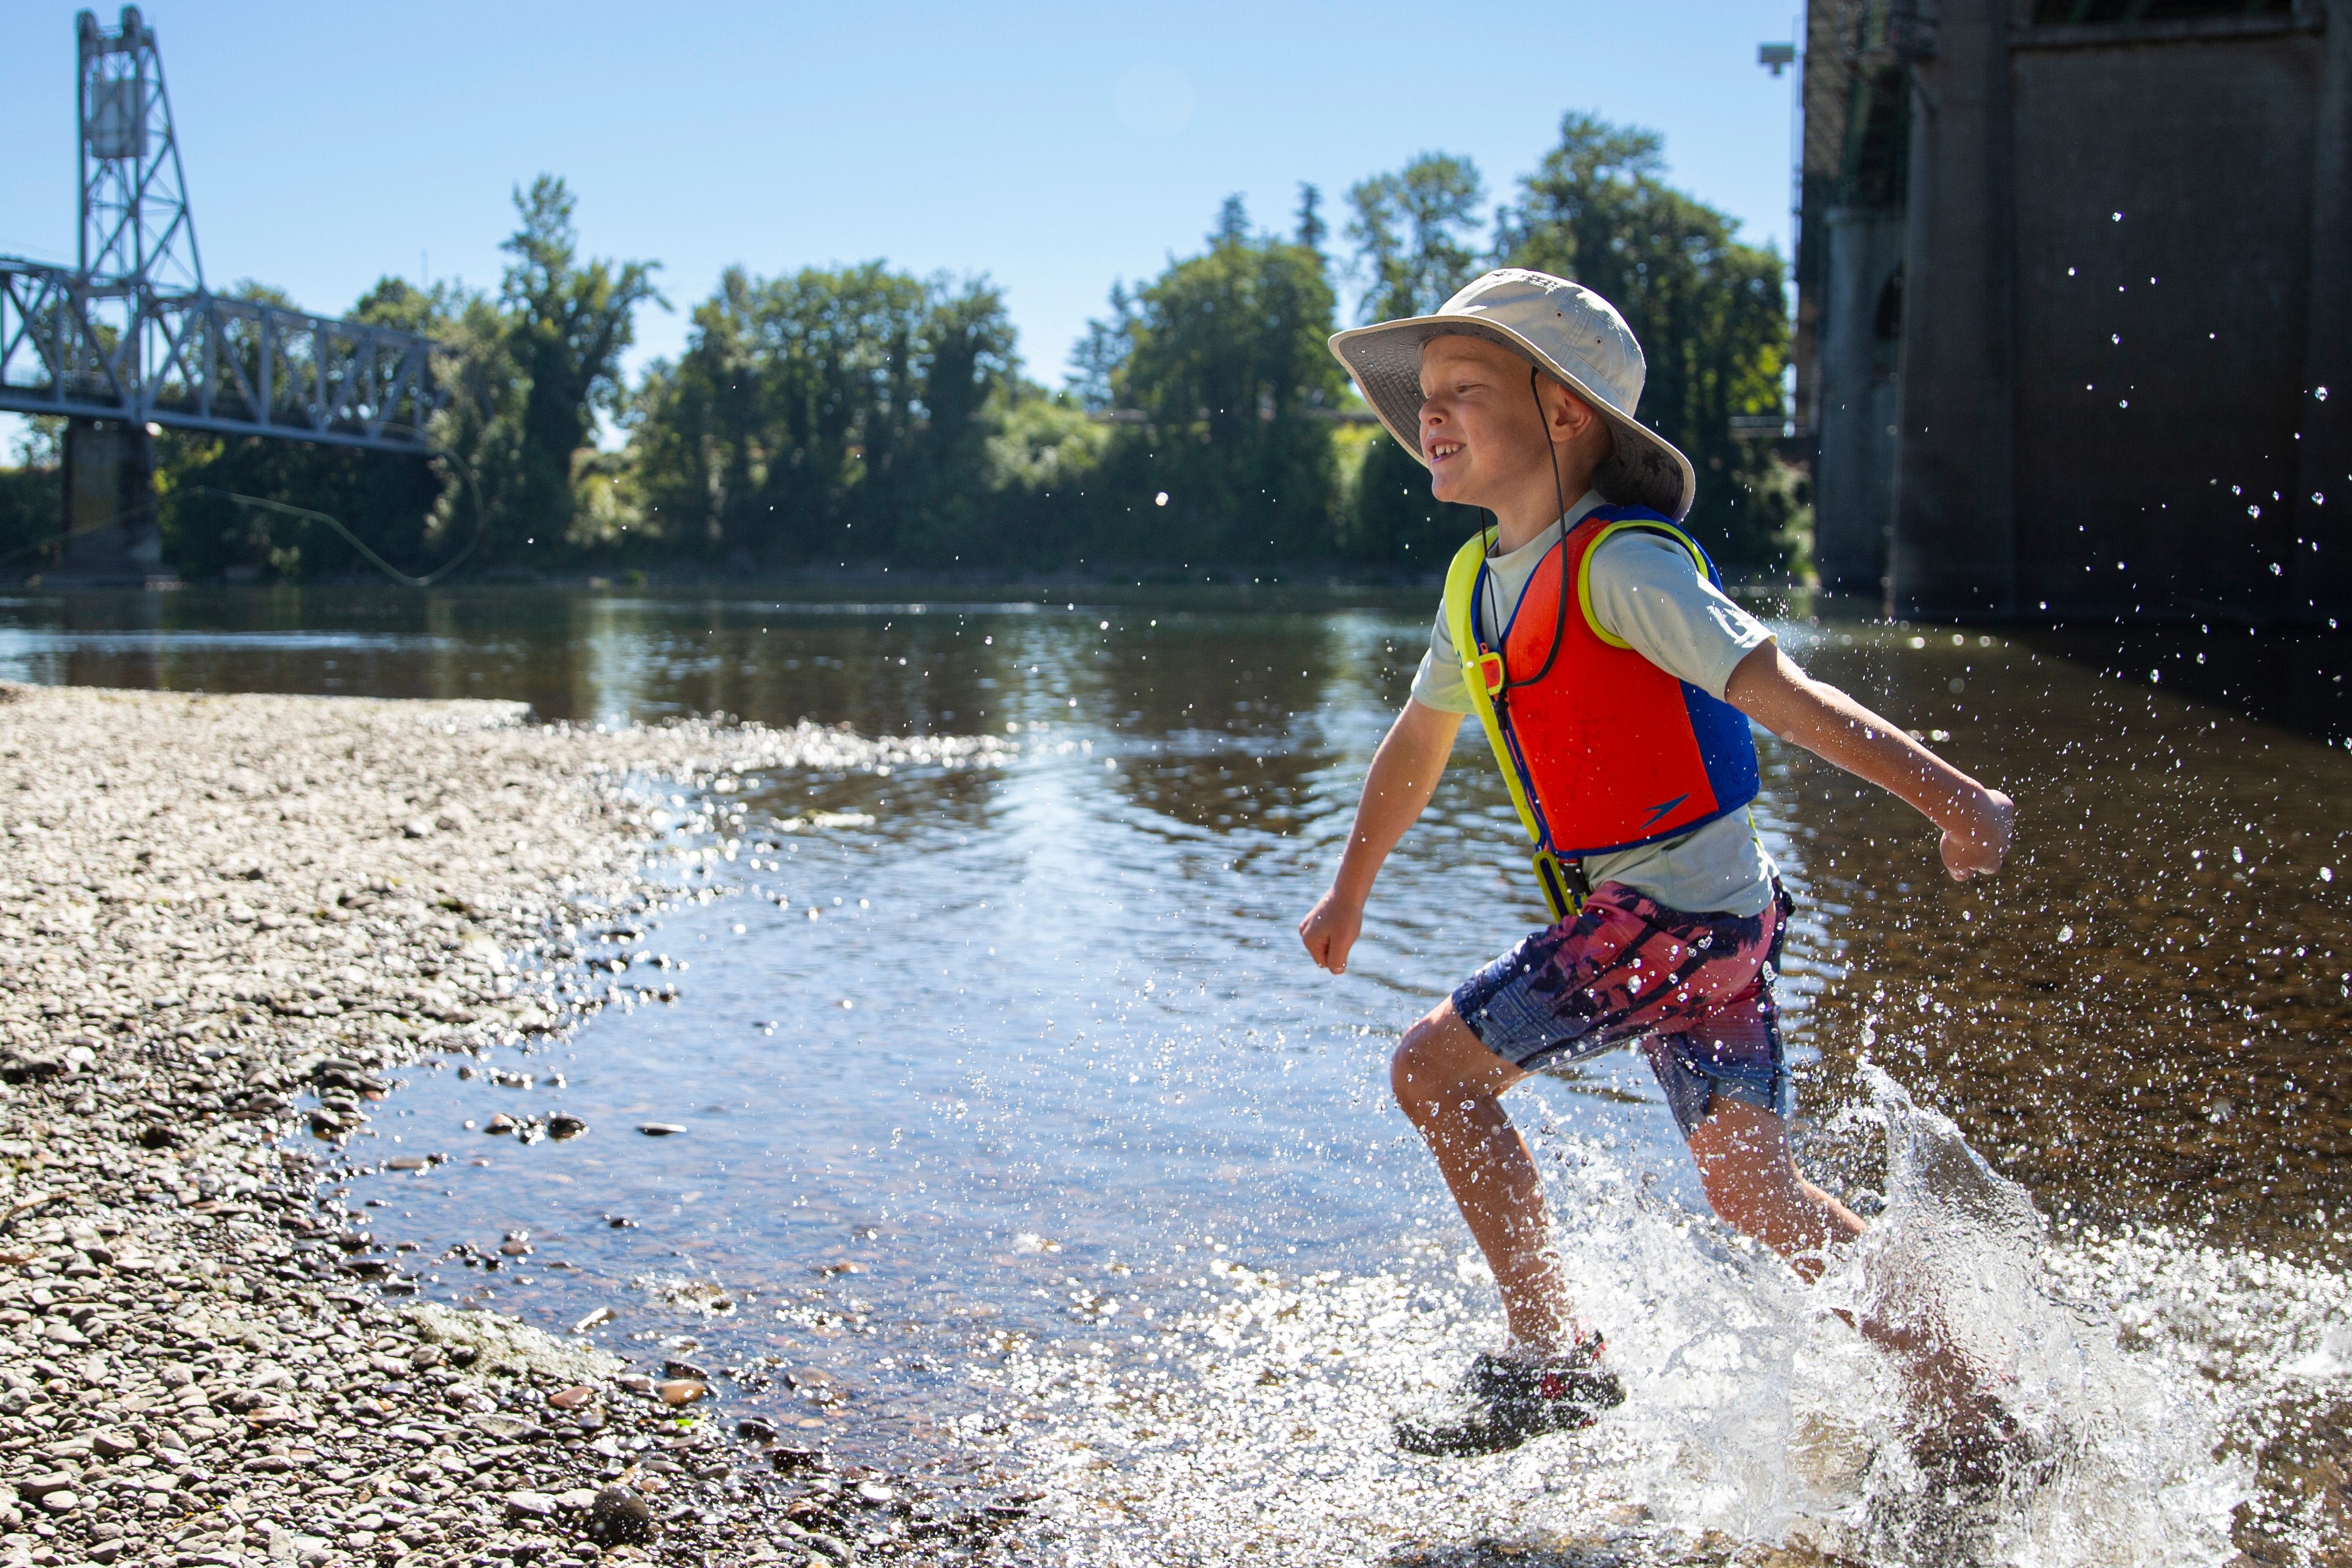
(1404, 775)
(1977, 820)
(1330, 930)
(1975, 846)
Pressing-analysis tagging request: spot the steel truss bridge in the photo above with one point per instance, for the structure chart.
(131, 335)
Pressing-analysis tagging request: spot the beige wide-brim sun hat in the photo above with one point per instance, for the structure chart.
(1564, 328)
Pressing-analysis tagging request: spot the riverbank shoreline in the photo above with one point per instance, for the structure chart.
(229, 923)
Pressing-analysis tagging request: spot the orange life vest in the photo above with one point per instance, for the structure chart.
(1603, 750)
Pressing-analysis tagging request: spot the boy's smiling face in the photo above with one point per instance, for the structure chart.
(1483, 427)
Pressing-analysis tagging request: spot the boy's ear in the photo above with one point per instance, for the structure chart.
(1570, 414)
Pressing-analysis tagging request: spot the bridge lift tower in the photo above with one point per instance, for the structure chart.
(129, 341)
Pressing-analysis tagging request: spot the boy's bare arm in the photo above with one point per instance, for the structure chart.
(1781, 697)
(1403, 777)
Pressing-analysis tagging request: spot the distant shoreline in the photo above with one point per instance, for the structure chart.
(1264, 587)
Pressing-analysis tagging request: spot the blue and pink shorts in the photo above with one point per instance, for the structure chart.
(1695, 991)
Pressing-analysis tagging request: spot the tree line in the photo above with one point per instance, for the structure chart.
(858, 416)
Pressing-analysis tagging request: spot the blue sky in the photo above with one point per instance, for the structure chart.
(1053, 147)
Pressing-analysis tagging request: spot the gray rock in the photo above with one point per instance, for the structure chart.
(619, 1516)
(134, 1041)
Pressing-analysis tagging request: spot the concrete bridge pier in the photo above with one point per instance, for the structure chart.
(2127, 262)
(1953, 547)
(1860, 409)
(112, 532)
(2323, 576)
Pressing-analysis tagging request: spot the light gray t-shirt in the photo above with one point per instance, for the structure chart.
(1646, 592)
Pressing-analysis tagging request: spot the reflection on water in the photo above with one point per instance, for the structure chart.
(1012, 1111)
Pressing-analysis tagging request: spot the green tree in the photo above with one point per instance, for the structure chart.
(32, 495)
(1098, 356)
(1226, 365)
(1708, 309)
(392, 501)
(568, 322)
(844, 413)
(1415, 234)
(1311, 227)
(965, 359)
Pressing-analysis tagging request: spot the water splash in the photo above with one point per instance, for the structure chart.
(2109, 1457)
(2144, 1379)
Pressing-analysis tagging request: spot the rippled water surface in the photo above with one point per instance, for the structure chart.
(1021, 1144)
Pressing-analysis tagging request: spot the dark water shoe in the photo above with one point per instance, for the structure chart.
(1501, 1401)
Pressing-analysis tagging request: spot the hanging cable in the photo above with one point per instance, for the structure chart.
(473, 490)
(154, 503)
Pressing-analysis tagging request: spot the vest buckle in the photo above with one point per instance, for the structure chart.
(1564, 883)
(1490, 669)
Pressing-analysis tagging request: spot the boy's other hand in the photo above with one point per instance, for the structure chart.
(1330, 930)
(1977, 846)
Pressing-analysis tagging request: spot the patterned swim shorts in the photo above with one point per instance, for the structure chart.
(1694, 990)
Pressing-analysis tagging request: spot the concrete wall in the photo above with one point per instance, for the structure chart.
(2158, 354)
(110, 509)
(1856, 419)
(1952, 551)
(2104, 415)
(2319, 574)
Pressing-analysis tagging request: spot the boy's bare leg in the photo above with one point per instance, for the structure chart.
(1446, 1082)
(1752, 1183)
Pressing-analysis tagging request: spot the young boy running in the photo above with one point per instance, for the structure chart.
(1616, 683)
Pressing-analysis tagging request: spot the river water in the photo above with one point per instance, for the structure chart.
(1022, 1149)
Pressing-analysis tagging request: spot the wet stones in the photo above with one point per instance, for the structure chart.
(620, 1517)
(202, 1358)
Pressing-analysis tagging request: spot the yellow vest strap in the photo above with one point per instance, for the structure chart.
(1483, 674)
(1584, 568)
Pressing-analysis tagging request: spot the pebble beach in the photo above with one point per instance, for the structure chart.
(230, 924)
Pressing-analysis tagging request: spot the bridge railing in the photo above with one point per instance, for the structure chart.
(86, 350)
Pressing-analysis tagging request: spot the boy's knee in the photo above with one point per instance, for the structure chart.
(1421, 1071)
(1412, 1068)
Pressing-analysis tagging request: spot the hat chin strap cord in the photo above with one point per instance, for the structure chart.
(1560, 494)
(1564, 882)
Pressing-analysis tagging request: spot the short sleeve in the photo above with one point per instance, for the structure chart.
(1438, 682)
(1647, 591)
